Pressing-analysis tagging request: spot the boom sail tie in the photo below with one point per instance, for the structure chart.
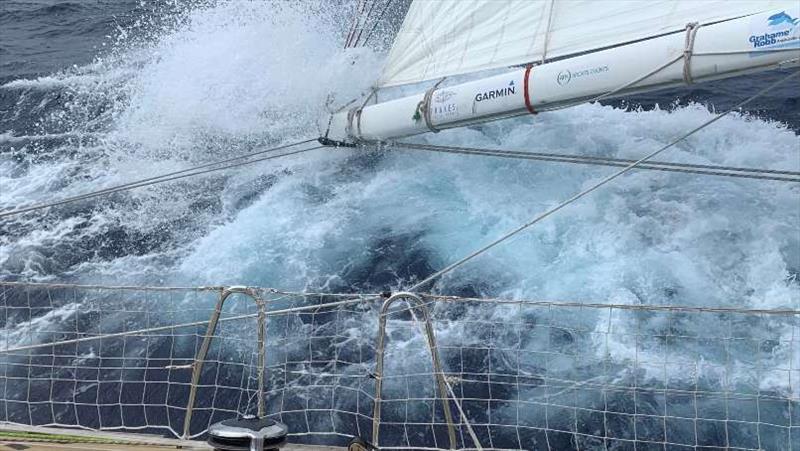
(691, 32)
(527, 90)
(354, 114)
(425, 107)
(373, 93)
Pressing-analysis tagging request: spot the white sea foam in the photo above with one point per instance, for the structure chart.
(665, 237)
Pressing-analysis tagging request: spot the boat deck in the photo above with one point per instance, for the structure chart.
(27, 438)
(36, 446)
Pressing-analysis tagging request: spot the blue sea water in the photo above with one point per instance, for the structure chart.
(99, 92)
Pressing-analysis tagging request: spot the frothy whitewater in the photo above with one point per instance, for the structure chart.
(231, 78)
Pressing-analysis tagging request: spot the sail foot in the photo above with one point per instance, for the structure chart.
(722, 50)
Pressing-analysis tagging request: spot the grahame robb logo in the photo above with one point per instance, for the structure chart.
(782, 18)
(780, 32)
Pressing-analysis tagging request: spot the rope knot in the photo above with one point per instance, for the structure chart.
(691, 32)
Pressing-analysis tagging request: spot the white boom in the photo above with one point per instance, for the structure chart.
(747, 44)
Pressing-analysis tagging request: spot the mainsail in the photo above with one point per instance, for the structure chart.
(569, 51)
(450, 37)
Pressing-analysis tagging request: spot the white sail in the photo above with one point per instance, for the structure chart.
(449, 37)
(728, 48)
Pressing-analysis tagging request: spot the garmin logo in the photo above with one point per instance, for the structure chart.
(497, 93)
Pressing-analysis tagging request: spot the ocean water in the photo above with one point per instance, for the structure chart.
(97, 93)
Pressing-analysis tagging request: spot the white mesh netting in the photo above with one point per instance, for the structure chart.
(525, 374)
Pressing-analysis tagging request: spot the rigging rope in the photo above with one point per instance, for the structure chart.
(366, 20)
(377, 22)
(356, 19)
(176, 175)
(704, 169)
(595, 186)
(362, 20)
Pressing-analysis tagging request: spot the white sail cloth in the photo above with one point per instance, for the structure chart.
(449, 37)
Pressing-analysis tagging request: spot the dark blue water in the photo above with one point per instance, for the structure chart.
(42, 37)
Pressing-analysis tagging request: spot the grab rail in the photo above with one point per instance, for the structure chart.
(430, 336)
(202, 353)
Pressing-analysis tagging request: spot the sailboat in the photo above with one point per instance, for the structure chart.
(561, 53)
(472, 61)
